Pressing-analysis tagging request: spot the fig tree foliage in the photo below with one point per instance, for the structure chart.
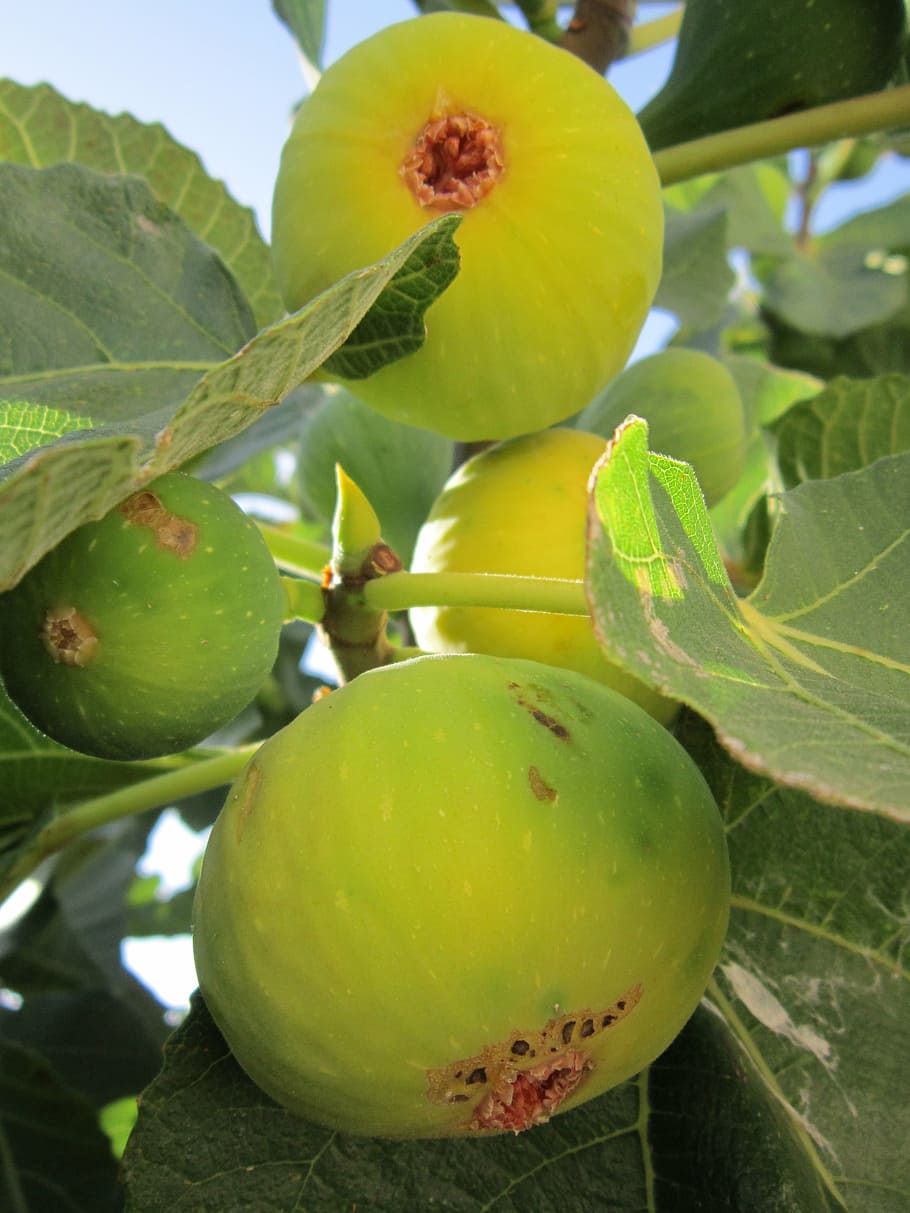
(474, 930)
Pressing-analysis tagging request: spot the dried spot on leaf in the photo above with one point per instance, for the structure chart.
(171, 532)
(521, 1081)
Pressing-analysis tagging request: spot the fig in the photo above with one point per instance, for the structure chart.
(458, 895)
(520, 507)
(561, 236)
(142, 633)
(742, 63)
(693, 409)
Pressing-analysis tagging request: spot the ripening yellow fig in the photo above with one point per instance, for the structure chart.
(520, 507)
(562, 222)
(458, 896)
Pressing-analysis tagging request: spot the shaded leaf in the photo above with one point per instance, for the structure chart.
(696, 277)
(39, 127)
(394, 326)
(754, 199)
(55, 1157)
(37, 773)
(849, 425)
(400, 468)
(767, 392)
(819, 650)
(836, 291)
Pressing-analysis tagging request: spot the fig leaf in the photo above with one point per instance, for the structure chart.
(39, 127)
(818, 649)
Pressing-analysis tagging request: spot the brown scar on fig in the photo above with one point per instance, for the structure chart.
(548, 721)
(171, 532)
(522, 1080)
(246, 794)
(539, 785)
(68, 636)
(455, 161)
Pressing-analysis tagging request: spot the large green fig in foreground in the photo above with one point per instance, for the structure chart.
(458, 895)
(144, 632)
(561, 237)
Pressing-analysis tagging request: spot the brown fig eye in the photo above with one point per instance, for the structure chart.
(560, 240)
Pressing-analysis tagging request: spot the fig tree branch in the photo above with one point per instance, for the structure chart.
(600, 31)
(874, 112)
(400, 591)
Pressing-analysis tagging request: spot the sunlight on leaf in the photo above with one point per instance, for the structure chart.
(807, 680)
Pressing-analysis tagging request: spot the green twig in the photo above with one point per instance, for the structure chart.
(653, 33)
(865, 115)
(542, 18)
(400, 591)
(293, 552)
(306, 599)
(160, 790)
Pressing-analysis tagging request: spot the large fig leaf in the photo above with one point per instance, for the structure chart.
(847, 426)
(807, 679)
(741, 63)
(39, 127)
(54, 1154)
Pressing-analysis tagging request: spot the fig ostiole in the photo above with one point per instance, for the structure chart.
(459, 895)
(520, 507)
(144, 632)
(561, 237)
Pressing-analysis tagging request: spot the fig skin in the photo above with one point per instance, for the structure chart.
(181, 592)
(693, 409)
(442, 862)
(560, 260)
(520, 507)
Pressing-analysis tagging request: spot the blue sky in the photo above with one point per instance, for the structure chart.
(224, 77)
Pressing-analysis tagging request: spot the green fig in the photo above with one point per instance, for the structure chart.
(739, 62)
(457, 896)
(693, 409)
(520, 507)
(144, 632)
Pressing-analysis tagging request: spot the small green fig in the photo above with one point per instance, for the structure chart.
(561, 237)
(458, 895)
(142, 633)
(520, 507)
(693, 409)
